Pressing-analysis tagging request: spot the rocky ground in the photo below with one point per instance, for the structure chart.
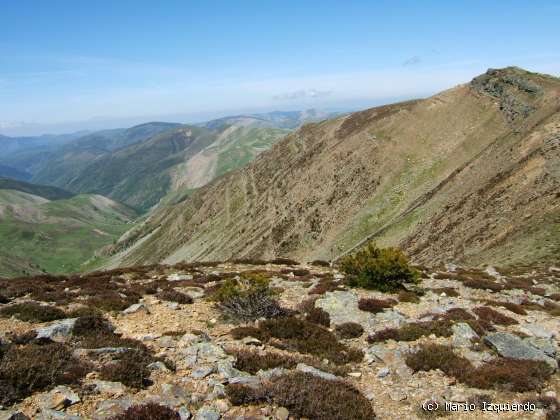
(197, 352)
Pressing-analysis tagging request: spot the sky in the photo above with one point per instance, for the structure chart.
(74, 65)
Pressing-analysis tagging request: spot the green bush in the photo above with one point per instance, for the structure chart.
(384, 269)
(247, 285)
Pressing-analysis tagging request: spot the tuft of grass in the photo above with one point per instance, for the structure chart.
(32, 312)
(375, 305)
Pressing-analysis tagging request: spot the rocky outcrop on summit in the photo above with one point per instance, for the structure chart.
(469, 175)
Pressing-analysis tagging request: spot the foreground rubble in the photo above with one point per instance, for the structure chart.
(202, 364)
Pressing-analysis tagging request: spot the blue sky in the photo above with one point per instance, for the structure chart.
(68, 65)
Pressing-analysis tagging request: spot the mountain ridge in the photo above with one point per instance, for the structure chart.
(396, 170)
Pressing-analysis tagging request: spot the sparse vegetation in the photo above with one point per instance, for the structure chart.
(349, 330)
(384, 269)
(409, 297)
(172, 295)
(32, 312)
(487, 314)
(302, 336)
(247, 299)
(506, 374)
(375, 305)
(150, 411)
(308, 396)
(129, 368)
(319, 316)
(413, 331)
(32, 368)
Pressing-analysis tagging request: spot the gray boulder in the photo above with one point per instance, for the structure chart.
(137, 307)
(302, 367)
(513, 347)
(58, 331)
(463, 335)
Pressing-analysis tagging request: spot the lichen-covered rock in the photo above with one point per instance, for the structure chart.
(58, 331)
(513, 347)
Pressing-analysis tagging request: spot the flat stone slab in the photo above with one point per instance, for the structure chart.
(342, 307)
(513, 347)
(57, 331)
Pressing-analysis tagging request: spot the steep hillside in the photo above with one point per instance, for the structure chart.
(44, 191)
(14, 173)
(57, 236)
(61, 165)
(468, 175)
(161, 166)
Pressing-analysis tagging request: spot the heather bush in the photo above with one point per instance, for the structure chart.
(33, 312)
(34, 368)
(150, 411)
(247, 299)
(349, 330)
(384, 269)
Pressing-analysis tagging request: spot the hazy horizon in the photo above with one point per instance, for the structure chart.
(107, 65)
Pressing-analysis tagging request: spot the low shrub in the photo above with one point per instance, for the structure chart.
(413, 331)
(349, 330)
(241, 332)
(291, 333)
(150, 411)
(252, 306)
(305, 395)
(320, 263)
(307, 305)
(248, 298)
(130, 368)
(410, 297)
(483, 284)
(501, 373)
(375, 305)
(4, 299)
(319, 316)
(384, 269)
(34, 368)
(326, 284)
(283, 261)
(32, 312)
(252, 361)
(487, 314)
(510, 306)
(300, 272)
(172, 295)
(240, 394)
(435, 356)
(93, 332)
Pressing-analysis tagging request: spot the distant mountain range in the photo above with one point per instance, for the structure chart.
(141, 165)
(60, 195)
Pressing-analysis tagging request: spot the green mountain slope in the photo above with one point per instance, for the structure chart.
(59, 236)
(469, 175)
(45, 191)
